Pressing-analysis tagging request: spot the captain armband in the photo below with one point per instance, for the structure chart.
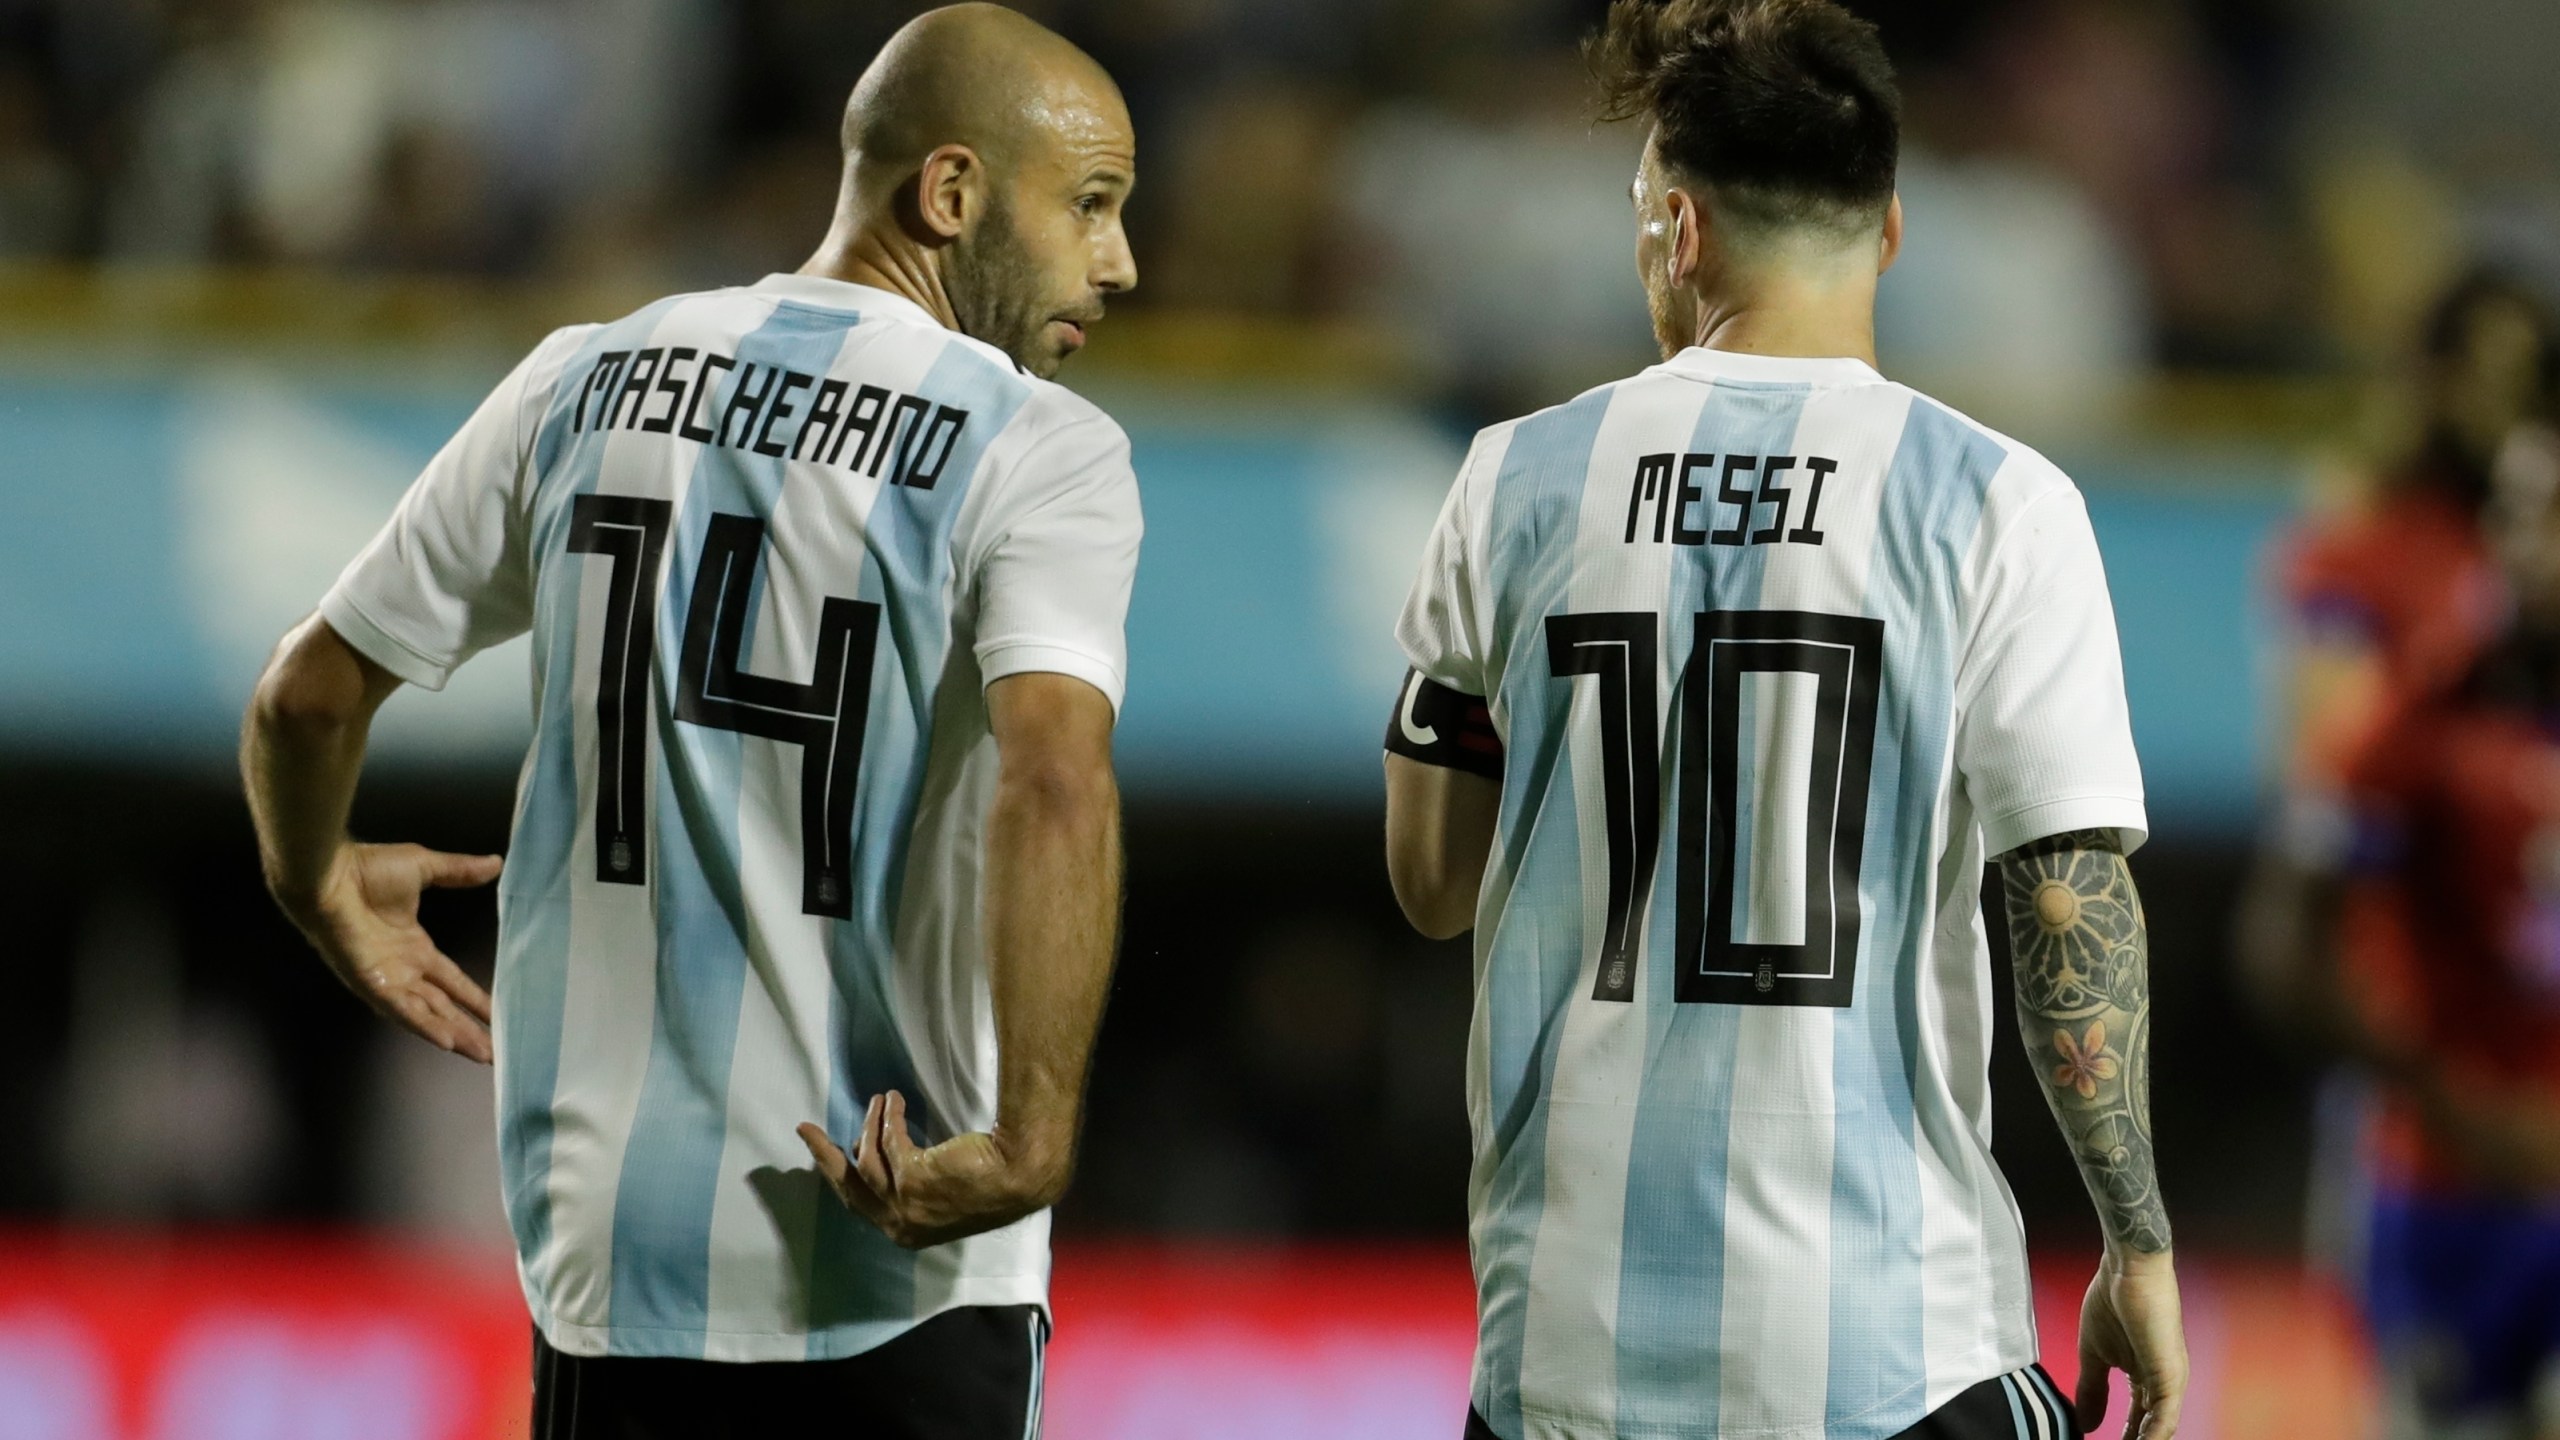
(1448, 728)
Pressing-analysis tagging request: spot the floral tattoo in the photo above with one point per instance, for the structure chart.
(2082, 957)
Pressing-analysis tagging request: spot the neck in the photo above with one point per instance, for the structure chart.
(862, 254)
(1819, 315)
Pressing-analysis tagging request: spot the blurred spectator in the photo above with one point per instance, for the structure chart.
(181, 193)
(1989, 243)
(1421, 164)
(2400, 917)
(2126, 98)
(765, 214)
(1251, 222)
(39, 191)
(415, 134)
(1499, 233)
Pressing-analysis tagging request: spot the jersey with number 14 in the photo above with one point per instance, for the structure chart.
(1779, 653)
(772, 543)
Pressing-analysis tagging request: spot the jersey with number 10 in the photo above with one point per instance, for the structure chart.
(772, 543)
(1779, 652)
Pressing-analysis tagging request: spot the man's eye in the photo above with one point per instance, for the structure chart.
(1089, 204)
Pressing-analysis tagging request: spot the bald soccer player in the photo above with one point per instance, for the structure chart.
(817, 848)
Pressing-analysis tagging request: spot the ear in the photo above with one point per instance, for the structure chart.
(950, 191)
(1892, 250)
(1689, 222)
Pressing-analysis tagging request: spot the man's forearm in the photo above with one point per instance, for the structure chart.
(2081, 953)
(1439, 837)
(1053, 917)
(302, 747)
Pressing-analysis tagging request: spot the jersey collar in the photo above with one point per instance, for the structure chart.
(1705, 364)
(829, 294)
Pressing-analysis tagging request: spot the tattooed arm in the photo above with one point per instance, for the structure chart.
(2082, 956)
(2077, 943)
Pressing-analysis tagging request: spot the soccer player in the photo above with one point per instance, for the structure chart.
(1727, 680)
(817, 848)
(2457, 819)
(2403, 913)
(2393, 600)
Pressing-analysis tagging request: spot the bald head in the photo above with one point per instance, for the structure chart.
(986, 162)
(982, 76)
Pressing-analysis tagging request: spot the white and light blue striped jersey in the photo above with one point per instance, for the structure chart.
(772, 543)
(1779, 652)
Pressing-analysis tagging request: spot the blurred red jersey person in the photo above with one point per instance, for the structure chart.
(2456, 979)
(2388, 604)
(2457, 814)
(2390, 601)
(2408, 907)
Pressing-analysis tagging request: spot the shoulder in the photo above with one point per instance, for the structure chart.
(568, 339)
(1050, 409)
(2014, 474)
(549, 362)
(1036, 412)
(690, 307)
(1557, 436)
(1055, 431)
(1054, 446)
(2015, 499)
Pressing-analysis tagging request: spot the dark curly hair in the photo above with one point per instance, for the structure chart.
(1788, 108)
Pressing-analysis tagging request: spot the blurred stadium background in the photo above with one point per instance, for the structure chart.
(257, 257)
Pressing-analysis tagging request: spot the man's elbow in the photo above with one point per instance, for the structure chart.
(1433, 901)
(1061, 786)
(294, 699)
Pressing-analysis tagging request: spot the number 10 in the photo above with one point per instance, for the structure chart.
(1843, 656)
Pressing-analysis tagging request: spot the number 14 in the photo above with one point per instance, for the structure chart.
(825, 717)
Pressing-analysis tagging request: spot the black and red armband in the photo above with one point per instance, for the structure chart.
(1448, 728)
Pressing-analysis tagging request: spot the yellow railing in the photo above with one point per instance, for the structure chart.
(321, 313)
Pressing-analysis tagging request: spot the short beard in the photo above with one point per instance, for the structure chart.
(994, 290)
(1672, 331)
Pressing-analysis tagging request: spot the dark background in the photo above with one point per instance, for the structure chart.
(1283, 1056)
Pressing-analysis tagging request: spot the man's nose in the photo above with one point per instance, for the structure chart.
(1118, 267)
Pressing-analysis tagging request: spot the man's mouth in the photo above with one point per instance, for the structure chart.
(1075, 328)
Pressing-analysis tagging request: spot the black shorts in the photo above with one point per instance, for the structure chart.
(966, 1374)
(2021, 1405)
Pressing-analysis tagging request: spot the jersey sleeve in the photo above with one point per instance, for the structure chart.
(1053, 586)
(1439, 629)
(2044, 742)
(448, 576)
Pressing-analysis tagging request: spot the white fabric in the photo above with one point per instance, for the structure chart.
(1735, 1216)
(658, 1042)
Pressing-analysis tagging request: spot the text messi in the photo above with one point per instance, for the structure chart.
(1746, 487)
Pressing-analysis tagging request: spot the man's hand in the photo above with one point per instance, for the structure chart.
(364, 923)
(301, 748)
(1052, 912)
(918, 1197)
(2130, 1322)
